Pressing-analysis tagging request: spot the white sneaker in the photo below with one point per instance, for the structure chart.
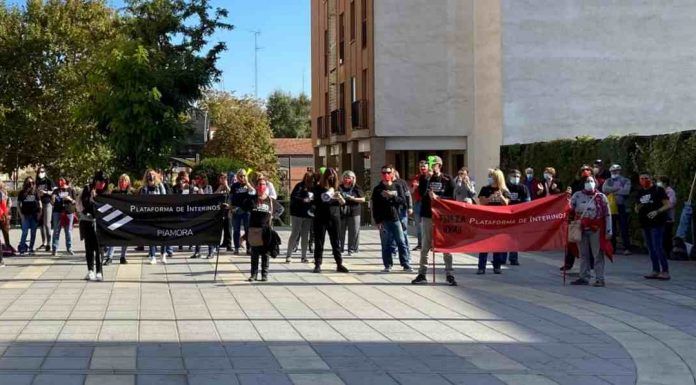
(90, 276)
(164, 259)
(100, 277)
(153, 260)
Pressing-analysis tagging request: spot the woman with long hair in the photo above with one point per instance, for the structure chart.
(201, 186)
(240, 192)
(350, 212)
(88, 229)
(152, 185)
(495, 193)
(30, 207)
(63, 201)
(122, 188)
(300, 206)
(327, 218)
(261, 208)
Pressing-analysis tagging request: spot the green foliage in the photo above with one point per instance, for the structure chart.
(243, 132)
(152, 76)
(212, 167)
(289, 116)
(47, 50)
(672, 155)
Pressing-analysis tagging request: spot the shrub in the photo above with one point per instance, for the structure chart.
(212, 167)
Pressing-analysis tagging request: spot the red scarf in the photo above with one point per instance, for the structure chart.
(598, 223)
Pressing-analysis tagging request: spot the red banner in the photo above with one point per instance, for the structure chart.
(533, 226)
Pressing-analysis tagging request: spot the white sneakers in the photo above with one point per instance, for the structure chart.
(164, 259)
(153, 260)
(90, 276)
(100, 277)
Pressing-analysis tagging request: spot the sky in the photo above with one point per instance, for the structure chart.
(284, 56)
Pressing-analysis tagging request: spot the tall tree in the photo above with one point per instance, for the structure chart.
(289, 116)
(151, 79)
(47, 50)
(243, 132)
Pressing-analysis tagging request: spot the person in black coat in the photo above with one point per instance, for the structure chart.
(261, 208)
(88, 230)
(327, 218)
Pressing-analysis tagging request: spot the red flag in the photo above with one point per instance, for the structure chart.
(538, 225)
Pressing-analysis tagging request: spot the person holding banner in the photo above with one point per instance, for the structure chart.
(88, 230)
(496, 193)
(518, 194)
(202, 187)
(261, 208)
(123, 187)
(152, 185)
(240, 217)
(387, 199)
(591, 207)
(327, 218)
(223, 187)
(430, 187)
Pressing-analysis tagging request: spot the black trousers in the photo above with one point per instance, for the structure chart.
(323, 225)
(226, 236)
(256, 254)
(89, 235)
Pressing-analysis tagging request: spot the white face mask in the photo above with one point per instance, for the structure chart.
(514, 179)
(660, 184)
(590, 186)
(490, 180)
(548, 176)
(42, 175)
(530, 176)
(615, 176)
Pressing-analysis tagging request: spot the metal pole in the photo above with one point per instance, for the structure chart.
(217, 259)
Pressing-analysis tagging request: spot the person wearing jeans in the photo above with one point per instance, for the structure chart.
(652, 205)
(63, 201)
(387, 200)
(240, 192)
(29, 203)
(152, 185)
(423, 169)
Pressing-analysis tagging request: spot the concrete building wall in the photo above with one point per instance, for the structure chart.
(597, 67)
(424, 67)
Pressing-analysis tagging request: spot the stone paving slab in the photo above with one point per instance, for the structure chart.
(172, 324)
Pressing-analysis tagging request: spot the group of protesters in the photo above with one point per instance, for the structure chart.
(326, 203)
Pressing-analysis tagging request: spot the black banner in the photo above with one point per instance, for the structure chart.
(154, 220)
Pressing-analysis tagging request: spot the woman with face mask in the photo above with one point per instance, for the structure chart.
(240, 192)
(123, 188)
(350, 212)
(29, 202)
(261, 208)
(327, 218)
(549, 186)
(495, 193)
(223, 187)
(300, 206)
(592, 208)
(201, 186)
(63, 201)
(464, 190)
(45, 187)
(88, 230)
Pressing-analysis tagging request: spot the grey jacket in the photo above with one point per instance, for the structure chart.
(620, 187)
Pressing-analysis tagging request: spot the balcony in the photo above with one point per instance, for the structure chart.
(359, 117)
(337, 122)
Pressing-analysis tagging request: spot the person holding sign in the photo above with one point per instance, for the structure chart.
(63, 201)
(430, 187)
(327, 218)
(123, 188)
(152, 185)
(261, 207)
(495, 193)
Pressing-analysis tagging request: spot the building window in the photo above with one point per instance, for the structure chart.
(364, 83)
(342, 96)
(353, 89)
(363, 11)
(341, 37)
(352, 20)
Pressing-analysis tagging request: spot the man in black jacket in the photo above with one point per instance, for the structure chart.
(435, 186)
(387, 198)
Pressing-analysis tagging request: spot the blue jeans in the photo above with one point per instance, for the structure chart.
(110, 251)
(685, 222)
(513, 256)
(163, 250)
(403, 218)
(653, 239)
(28, 224)
(393, 232)
(417, 220)
(57, 227)
(498, 259)
(240, 218)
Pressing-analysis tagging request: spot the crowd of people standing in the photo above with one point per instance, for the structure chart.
(328, 203)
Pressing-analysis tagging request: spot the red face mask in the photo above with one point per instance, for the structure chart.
(100, 185)
(261, 189)
(586, 173)
(387, 177)
(347, 181)
(645, 183)
(61, 183)
(123, 185)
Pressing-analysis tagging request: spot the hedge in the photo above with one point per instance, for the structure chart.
(212, 167)
(673, 155)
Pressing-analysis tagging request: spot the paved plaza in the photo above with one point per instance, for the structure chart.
(172, 324)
